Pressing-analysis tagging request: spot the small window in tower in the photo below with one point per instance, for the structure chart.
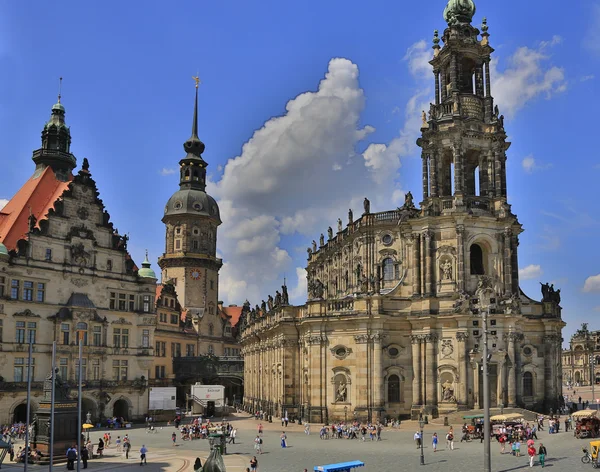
(48, 254)
(195, 231)
(178, 244)
(195, 245)
(212, 284)
(186, 174)
(195, 175)
(109, 264)
(388, 269)
(178, 230)
(476, 259)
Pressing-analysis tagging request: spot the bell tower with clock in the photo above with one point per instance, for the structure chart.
(191, 219)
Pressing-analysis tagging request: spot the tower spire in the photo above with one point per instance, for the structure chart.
(193, 146)
(195, 121)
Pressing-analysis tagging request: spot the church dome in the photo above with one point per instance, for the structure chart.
(192, 201)
(459, 11)
(3, 250)
(146, 271)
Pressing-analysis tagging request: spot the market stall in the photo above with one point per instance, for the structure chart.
(587, 424)
(339, 467)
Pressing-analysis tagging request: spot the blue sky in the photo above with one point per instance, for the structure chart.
(305, 108)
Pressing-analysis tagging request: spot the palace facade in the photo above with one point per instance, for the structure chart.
(393, 321)
(581, 362)
(66, 275)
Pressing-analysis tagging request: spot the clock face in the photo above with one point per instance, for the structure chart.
(195, 274)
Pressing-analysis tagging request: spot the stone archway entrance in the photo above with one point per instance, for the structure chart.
(20, 413)
(88, 406)
(121, 409)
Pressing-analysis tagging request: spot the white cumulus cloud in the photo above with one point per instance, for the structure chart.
(289, 181)
(530, 164)
(531, 272)
(592, 284)
(3, 202)
(526, 76)
(166, 171)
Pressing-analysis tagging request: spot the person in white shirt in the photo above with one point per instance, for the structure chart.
(418, 439)
(232, 436)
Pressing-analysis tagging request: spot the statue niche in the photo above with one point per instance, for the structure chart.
(341, 388)
(446, 273)
(447, 382)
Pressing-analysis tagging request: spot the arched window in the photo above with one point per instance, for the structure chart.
(393, 389)
(476, 260)
(528, 384)
(388, 269)
(211, 329)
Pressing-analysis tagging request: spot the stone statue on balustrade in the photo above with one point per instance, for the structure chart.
(350, 216)
(277, 299)
(263, 307)
(322, 240)
(314, 246)
(330, 233)
(463, 303)
(367, 206)
(285, 298)
(549, 294)
(340, 225)
(270, 303)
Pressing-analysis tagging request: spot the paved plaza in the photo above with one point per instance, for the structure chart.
(396, 451)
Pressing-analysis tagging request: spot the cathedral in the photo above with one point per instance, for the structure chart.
(392, 325)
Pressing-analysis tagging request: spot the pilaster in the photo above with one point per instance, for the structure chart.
(463, 367)
(431, 370)
(416, 367)
(416, 264)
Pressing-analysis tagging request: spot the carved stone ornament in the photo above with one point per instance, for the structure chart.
(316, 339)
(341, 352)
(447, 348)
(79, 282)
(27, 313)
(462, 337)
(447, 250)
(361, 338)
(122, 321)
(83, 213)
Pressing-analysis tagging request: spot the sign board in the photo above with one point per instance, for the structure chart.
(162, 398)
(207, 393)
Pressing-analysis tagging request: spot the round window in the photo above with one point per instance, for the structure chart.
(387, 239)
(197, 206)
(196, 231)
(177, 205)
(527, 351)
(393, 351)
(340, 351)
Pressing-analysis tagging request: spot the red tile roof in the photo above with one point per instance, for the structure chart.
(232, 313)
(37, 195)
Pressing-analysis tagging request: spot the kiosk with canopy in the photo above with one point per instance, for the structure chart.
(339, 467)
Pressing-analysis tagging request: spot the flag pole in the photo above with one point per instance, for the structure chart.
(79, 404)
(52, 399)
(26, 462)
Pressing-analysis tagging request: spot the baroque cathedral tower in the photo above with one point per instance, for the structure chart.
(191, 219)
(393, 321)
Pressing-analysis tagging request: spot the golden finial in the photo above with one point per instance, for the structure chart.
(197, 80)
(59, 88)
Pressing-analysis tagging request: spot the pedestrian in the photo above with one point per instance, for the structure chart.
(434, 442)
(71, 457)
(417, 438)
(260, 428)
(286, 421)
(258, 444)
(232, 436)
(283, 440)
(85, 455)
(518, 448)
(143, 452)
(197, 465)
(174, 438)
(307, 429)
(531, 453)
(253, 464)
(542, 452)
(450, 439)
(118, 443)
(100, 448)
(127, 446)
(282, 421)
(502, 441)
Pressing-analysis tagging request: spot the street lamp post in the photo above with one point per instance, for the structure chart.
(593, 376)
(487, 461)
(421, 424)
